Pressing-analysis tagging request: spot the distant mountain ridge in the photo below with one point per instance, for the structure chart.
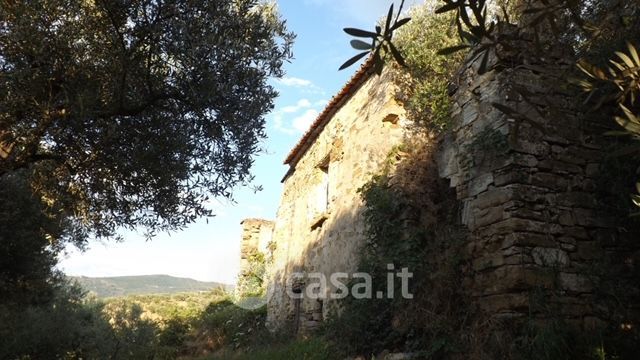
(144, 284)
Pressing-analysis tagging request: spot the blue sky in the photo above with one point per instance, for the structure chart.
(209, 251)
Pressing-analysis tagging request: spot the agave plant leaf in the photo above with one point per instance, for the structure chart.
(381, 40)
(631, 123)
(387, 27)
(400, 23)
(452, 49)
(378, 62)
(465, 35)
(451, 5)
(626, 59)
(627, 150)
(482, 4)
(478, 31)
(477, 10)
(353, 60)
(617, 133)
(360, 33)
(617, 65)
(505, 14)
(591, 71)
(462, 15)
(634, 53)
(483, 63)
(361, 45)
(630, 115)
(484, 15)
(396, 55)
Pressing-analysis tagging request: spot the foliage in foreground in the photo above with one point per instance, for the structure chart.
(381, 41)
(28, 243)
(71, 326)
(311, 349)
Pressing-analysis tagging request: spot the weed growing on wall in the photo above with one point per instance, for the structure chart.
(410, 216)
(424, 81)
(251, 281)
(412, 220)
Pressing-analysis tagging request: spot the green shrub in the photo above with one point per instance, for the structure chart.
(65, 327)
(312, 349)
(410, 218)
(424, 82)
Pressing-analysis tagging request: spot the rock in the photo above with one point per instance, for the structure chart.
(589, 250)
(575, 282)
(399, 356)
(488, 216)
(492, 198)
(479, 184)
(550, 257)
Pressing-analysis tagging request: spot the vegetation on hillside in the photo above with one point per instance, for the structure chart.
(187, 325)
(144, 284)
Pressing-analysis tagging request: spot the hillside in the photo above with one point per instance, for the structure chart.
(143, 284)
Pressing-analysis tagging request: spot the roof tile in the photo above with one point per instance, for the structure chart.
(334, 105)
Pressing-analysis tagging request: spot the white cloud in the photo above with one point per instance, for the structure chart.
(295, 82)
(321, 103)
(302, 103)
(278, 123)
(302, 122)
(295, 119)
(302, 85)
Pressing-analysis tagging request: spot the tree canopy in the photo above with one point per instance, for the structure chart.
(133, 112)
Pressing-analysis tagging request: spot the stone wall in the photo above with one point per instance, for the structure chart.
(255, 251)
(319, 227)
(530, 187)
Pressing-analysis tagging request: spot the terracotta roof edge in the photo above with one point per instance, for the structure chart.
(334, 105)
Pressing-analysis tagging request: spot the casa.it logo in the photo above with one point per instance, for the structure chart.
(319, 286)
(255, 302)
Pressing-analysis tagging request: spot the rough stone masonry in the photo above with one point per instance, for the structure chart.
(538, 217)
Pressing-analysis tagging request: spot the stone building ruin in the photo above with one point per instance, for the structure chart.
(536, 214)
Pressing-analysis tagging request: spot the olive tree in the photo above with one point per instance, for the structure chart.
(134, 112)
